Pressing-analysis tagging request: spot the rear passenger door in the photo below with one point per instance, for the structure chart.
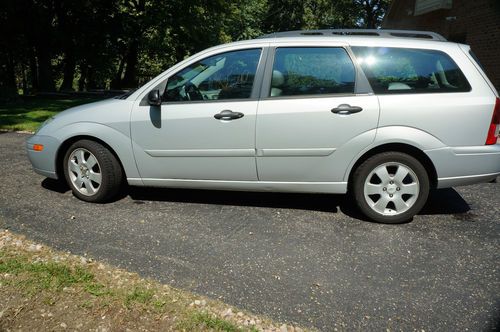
(313, 104)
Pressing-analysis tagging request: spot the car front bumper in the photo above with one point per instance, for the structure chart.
(44, 162)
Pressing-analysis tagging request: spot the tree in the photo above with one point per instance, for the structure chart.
(372, 12)
(47, 44)
(8, 49)
(284, 15)
(327, 14)
(40, 32)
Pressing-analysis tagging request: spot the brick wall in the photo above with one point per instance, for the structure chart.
(476, 23)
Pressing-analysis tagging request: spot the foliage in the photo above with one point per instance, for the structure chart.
(50, 45)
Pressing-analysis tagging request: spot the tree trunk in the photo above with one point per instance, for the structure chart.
(116, 83)
(8, 88)
(69, 70)
(91, 80)
(33, 72)
(130, 77)
(83, 78)
(45, 79)
(369, 19)
(25, 79)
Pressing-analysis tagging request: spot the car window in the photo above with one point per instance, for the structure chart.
(223, 76)
(401, 70)
(311, 71)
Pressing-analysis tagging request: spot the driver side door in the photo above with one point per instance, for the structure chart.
(205, 127)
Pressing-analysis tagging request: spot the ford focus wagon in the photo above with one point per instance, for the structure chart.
(382, 114)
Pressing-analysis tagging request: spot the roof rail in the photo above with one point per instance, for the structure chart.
(359, 32)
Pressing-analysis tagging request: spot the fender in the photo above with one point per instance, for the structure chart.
(117, 140)
(401, 135)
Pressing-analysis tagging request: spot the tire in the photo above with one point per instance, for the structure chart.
(390, 187)
(92, 172)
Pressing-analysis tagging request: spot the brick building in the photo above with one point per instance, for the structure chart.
(472, 22)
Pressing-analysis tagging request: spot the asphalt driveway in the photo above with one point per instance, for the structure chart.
(307, 259)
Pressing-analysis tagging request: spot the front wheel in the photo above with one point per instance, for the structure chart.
(390, 187)
(92, 171)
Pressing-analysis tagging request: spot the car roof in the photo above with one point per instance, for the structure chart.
(352, 37)
(387, 33)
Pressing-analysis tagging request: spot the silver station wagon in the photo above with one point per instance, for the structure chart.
(382, 114)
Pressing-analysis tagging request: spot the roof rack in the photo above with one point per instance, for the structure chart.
(359, 32)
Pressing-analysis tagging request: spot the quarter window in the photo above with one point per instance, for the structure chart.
(401, 70)
(224, 76)
(311, 71)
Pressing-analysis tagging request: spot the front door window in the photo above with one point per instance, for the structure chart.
(223, 76)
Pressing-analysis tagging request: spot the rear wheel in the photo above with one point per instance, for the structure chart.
(391, 187)
(92, 171)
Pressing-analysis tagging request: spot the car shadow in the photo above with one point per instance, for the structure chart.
(442, 201)
(445, 201)
(317, 202)
(55, 185)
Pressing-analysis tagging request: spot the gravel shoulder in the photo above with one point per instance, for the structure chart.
(47, 290)
(300, 259)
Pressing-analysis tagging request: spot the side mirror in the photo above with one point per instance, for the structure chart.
(154, 98)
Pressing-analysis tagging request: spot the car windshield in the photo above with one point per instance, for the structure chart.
(126, 94)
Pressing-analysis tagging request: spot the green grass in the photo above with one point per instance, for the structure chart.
(97, 289)
(34, 277)
(202, 321)
(28, 113)
(139, 295)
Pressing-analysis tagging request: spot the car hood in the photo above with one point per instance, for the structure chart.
(90, 107)
(110, 112)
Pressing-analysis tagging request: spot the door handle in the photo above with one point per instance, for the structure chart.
(228, 115)
(346, 109)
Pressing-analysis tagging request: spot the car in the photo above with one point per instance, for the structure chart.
(382, 115)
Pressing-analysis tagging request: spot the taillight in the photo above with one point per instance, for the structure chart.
(495, 125)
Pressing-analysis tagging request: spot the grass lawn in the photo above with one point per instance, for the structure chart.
(28, 113)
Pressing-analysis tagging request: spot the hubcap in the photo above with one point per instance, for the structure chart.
(391, 189)
(84, 172)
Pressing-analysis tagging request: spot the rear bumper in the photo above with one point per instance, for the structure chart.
(44, 162)
(460, 166)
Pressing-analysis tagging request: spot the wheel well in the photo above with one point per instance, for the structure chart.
(404, 148)
(65, 146)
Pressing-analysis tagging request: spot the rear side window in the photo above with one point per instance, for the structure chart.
(403, 70)
(311, 71)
